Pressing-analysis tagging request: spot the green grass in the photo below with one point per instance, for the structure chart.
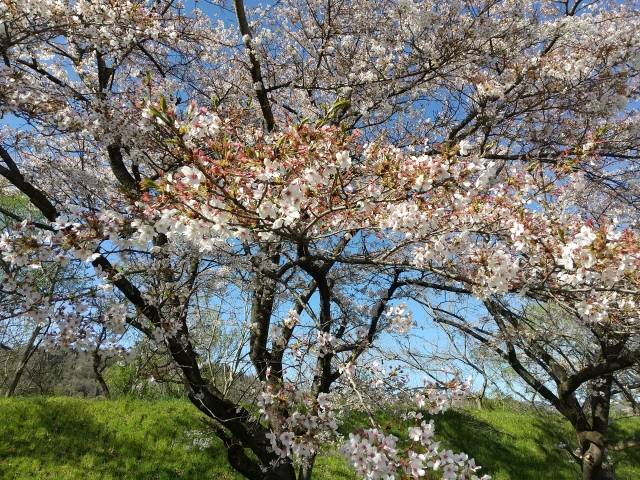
(67, 438)
(70, 438)
(511, 445)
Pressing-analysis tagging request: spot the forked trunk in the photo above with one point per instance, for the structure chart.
(594, 465)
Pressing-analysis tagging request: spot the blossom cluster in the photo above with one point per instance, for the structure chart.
(495, 232)
(377, 455)
(310, 424)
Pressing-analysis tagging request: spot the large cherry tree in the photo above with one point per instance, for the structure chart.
(316, 162)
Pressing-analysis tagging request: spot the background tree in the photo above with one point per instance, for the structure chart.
(584, 371)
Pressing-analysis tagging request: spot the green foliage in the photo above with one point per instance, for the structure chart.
(121, 379)
(511, 444)
(628, 460)
(126, 380)
(69, 438)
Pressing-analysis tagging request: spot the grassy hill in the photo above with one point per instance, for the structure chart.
(69, 438)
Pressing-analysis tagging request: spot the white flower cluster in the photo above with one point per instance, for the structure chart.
(436, 399)
(400, 318)
(302, 433)
(115, 318)
(377, 456)
(200, 125)
(324, 343)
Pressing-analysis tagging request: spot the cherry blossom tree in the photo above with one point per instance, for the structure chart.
(585, 370)
(335, 157)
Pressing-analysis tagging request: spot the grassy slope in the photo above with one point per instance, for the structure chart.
(65, 438)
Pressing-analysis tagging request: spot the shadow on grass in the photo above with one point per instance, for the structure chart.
(522, 447)
(508, 445)
(551, 432)
(626, 430)
(64, 439)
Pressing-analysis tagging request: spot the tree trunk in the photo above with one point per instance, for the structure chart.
(28, 352)
(594, 466)
(98, 374)
(306, 469)
(282, 470)
(594, 443)
(481, 395)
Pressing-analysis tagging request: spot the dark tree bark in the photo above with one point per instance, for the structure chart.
(594, 443)
(97, 371)
(98, 366)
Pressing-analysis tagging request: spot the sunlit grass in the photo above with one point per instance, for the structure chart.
(70, 438)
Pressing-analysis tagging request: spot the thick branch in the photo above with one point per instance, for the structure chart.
(256, 73)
